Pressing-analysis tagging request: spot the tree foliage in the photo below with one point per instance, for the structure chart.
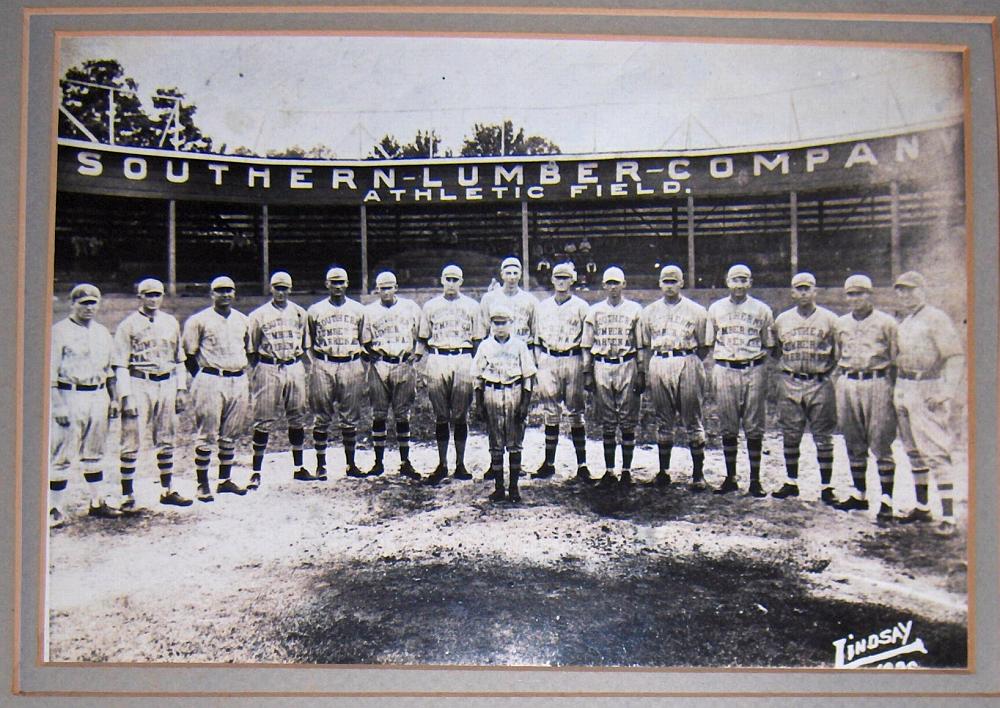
(426, 143)
(492, 139)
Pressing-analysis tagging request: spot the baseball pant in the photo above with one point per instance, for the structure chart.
(85, 437)
(336, 387)
(221, 408)
(806, 402)
(560, 380)
(739, 394)
(155, 403)
(866, 417)
(615, 399)
(503, 422)
(923, 429)
(391, 386)
(278, 389)
(449, 385)
(676, 386)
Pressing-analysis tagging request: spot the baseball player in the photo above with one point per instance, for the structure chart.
(390, 336)
(152, 384)
(450, 330)
(610, 346)
(520, 302)
(558, 334)
(741, 329)
(337, 380)
(866, 343)
(83, 398)
(807, 356)
(503, 371)
(215, 342)
(929, 369)
(278, 340)
(672, 334)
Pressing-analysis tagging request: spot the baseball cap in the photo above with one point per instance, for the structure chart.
(911, 279)
(223, 281)
(85, 291)
(671, 272)
(738, 269)
(385, 278)
(803, 279)
(451, 271)
(501, 312)
(614, 274)
(336, 273)
(564, 269)
(149, 285)
(280, 277)
(510, 262)
(857, 282)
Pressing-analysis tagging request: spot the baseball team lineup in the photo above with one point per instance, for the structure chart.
(862, 374)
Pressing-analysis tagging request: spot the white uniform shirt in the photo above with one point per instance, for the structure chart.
(560, 327)
(391, 330)
(278, 332)
(807, 343)
(80, 354)
(502, 362)
(740, 332)
(451, 324)
(866, 344)
(926, 339)
(612, 330)
(335, 330)
(151, 345)
(681, 325)
(521, 303)
(217, 342)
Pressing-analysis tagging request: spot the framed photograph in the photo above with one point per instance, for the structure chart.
(416, 352)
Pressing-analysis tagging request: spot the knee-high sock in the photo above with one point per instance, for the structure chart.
(202, 459)
(824, 458)
(259, 443)
(226, 455)
(127, 471)
(729, 452)
(57, 490)
(609, 448)
(920, 478)
(628, 447)
(698, 461)
(579, 436)
(441, 436)
(886, 477)
(165, 463)
(296, 438)
(664, 446)
(461, 430)
(379, 434)
(403, 438)
(515, 469)
(496, 465)
(790, 448)
(319, 443)
(551, 442)
(350, 438)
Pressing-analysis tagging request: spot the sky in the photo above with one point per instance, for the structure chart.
(275, 92)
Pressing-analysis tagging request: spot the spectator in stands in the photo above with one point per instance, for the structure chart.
(584, 246)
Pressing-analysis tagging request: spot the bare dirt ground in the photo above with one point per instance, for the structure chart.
(385, 571)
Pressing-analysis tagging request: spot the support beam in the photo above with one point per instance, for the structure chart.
(364, 249)
(525, 263)
(172, 247)
(265, 250)
(692, 276)
(794, 233)
(894, 234)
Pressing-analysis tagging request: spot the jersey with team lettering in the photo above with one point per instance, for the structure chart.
(926, 339)
(681, 325)
(278, 332)
(391, 330)
(612, 330)
(216, 341)
(522, 304)
(868, 343)
(81, 354)
(560, 326)
(502, 362)
(149, 343)
(451, 324)
(807, 343)
(335, 330)
(740, 331)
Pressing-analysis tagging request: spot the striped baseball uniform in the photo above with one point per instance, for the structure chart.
(391, 334)
(337, 381)
(741, 333)
(611, 334)
(522, 303)
(805, 393)
(676, 379)
(451, 329)
(558, 337)
(501, 368)
(279, 337)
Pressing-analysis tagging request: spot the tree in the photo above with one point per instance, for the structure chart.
(487, 141)
(316, 152)
(174, 123)
(426, 143)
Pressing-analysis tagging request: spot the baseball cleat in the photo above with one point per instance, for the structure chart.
(205, 494)
(884, 515)
(406, 470)
(461, 473)
(56, 518)
(756, 490)
(254, 482)
(103, 511)
(608, 481)
(173, 498)
(947, 528)
(662, 479)
(490, 475)
(544, 472)
(439, 473)
(228, 486)
(304, 475)
(513, 496)
(728, 485)
(498, 495)
(626, 480)
(353, 471)
(129, 508)
(698, 485)
(376, 470)
(852, 504)
(917, 516)
(320, 473)
(787, 490)
(828, 497)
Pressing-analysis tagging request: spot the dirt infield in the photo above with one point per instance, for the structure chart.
(387, 572)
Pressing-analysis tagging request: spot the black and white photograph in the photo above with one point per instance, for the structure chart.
(476, 351)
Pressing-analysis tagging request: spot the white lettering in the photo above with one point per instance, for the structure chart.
(816, 156)
(473, 193)
(675, 168)
(548, 173)
(585, 173)
(861, 153)
(397, 193)
(671, 187)
(372, 196)
(218, 170)
(907, 148)
(639, 189)
(445, 197)
(90, 164)
(343, 175)
(264, 173)
(468, 181)
(174, 177)
(384, 178)
(761, 161)
(629, 168)
(135, 168)
(576, 190)
(721, 167)
(619, 189)
(536, 192)
(515, 174)
(419, 194)
(428, 182)
(500, 191)
(298, 178)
